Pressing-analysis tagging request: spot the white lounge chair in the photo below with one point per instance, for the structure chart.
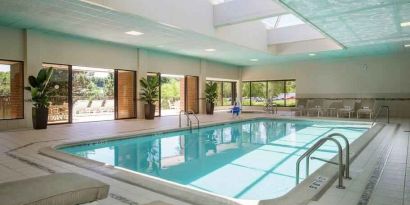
(80, 106)
(315, 106)
(108, 106)
(96, 106)
(366, 108)
(300, 107)
(348, 108)
(55, 189)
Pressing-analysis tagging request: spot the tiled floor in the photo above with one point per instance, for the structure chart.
(19, 159)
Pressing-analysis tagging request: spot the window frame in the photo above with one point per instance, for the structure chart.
(233, 90)
(23, 90)
(267, 89)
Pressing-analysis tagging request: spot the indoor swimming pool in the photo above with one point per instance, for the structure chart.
(252, 159)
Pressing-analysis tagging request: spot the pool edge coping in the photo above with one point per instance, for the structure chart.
(197, 196)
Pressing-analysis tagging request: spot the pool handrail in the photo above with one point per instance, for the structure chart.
(347, 151)
(379, 111)
(188, 120)
(316, 146)
(191, 112)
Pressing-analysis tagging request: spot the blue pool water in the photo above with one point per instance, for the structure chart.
(246, 160)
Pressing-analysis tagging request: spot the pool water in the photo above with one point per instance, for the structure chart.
(253, 159)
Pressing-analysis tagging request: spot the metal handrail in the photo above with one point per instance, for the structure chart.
(189, 122)
(316, 146)
(196, 117)
(347, 155)
(378, 113)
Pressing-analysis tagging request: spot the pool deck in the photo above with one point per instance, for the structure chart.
(19, 159)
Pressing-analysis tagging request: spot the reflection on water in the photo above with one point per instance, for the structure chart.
(242, 160)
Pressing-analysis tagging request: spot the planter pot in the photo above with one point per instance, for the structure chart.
(40, 118)
(149, 111)
(210, 108)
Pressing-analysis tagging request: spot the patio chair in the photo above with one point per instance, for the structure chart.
(348, 108)
(300, 107)
(366, 108)
(80, 106)
(315, 106)
(108, 106)
(96, 106)
(333, 106)
(55, 189)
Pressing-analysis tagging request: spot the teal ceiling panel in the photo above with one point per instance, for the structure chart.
(357, 22)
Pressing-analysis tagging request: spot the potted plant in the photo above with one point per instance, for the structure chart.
(210, 96)
(149, 94)
(39, 96)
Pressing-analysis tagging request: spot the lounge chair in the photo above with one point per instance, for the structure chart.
(300, 107)
(108, 106)
(348, 108)
(96, 106)
(332, 107)
(315, 106)
(55, 189)
(366, 108)
(80, 106)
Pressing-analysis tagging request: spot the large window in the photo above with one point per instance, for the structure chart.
(258, 93)
(226, 92)
(93, 94)
(59, 94)
(11, 90)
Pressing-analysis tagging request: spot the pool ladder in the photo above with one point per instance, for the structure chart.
(343, 168)
(383, 107)
(188, 119)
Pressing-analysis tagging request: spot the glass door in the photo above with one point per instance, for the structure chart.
(92, 94)
(171, 94)
(125, 94)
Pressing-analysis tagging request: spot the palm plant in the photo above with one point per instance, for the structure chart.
(210, 96)
(211, 92)
(39, 88)
(40, 92)
(149, 94)
(149, 90)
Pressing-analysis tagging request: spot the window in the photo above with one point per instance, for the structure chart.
(11, 90)
(226, 92)
(258, 93)
(246, 93)
(280, 92)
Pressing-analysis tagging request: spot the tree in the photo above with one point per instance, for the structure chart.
(4, 83)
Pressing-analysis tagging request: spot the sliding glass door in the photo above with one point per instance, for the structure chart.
(171, 94)
(125, 94)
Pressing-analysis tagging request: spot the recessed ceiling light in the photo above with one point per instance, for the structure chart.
(407, 46)
(134, 33)
(405, 24)
(254, 60)
(160, 46)
(312, 54)
(210, 49)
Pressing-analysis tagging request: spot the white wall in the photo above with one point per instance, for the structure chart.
(358, 77)
(36, 47)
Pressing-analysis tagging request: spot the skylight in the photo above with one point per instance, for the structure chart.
(281, 21)
(216, 2)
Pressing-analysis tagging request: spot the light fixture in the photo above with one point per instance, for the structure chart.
(210, 49)
(254, 60)
(405, 24)
(312, 54)
(134, 33)
(407, 45)
(160, 46)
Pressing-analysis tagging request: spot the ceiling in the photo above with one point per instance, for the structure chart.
(81, 19)
(357, 23)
